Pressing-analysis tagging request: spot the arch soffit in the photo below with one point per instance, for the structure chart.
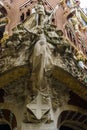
(68, 108)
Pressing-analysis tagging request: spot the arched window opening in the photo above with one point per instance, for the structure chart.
(31, 2)
(7, 117)
(53, 20)
(28, 13)
(45, 3)
(66, 122)
(22, 17)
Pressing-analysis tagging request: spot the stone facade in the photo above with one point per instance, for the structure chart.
(42, 67)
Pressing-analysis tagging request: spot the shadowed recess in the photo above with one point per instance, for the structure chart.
(4, 127)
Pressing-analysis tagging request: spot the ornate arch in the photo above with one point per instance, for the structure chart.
(70, 115)
(7, 117)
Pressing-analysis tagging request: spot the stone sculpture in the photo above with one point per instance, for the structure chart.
(42, 48)
(40, 13)
(74, 21)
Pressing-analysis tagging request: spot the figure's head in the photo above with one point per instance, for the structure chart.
(77, 2)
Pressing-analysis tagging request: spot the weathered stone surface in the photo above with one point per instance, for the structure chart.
(19, 50)
(38, 63)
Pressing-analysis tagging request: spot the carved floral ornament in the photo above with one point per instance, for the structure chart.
(39, 107)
